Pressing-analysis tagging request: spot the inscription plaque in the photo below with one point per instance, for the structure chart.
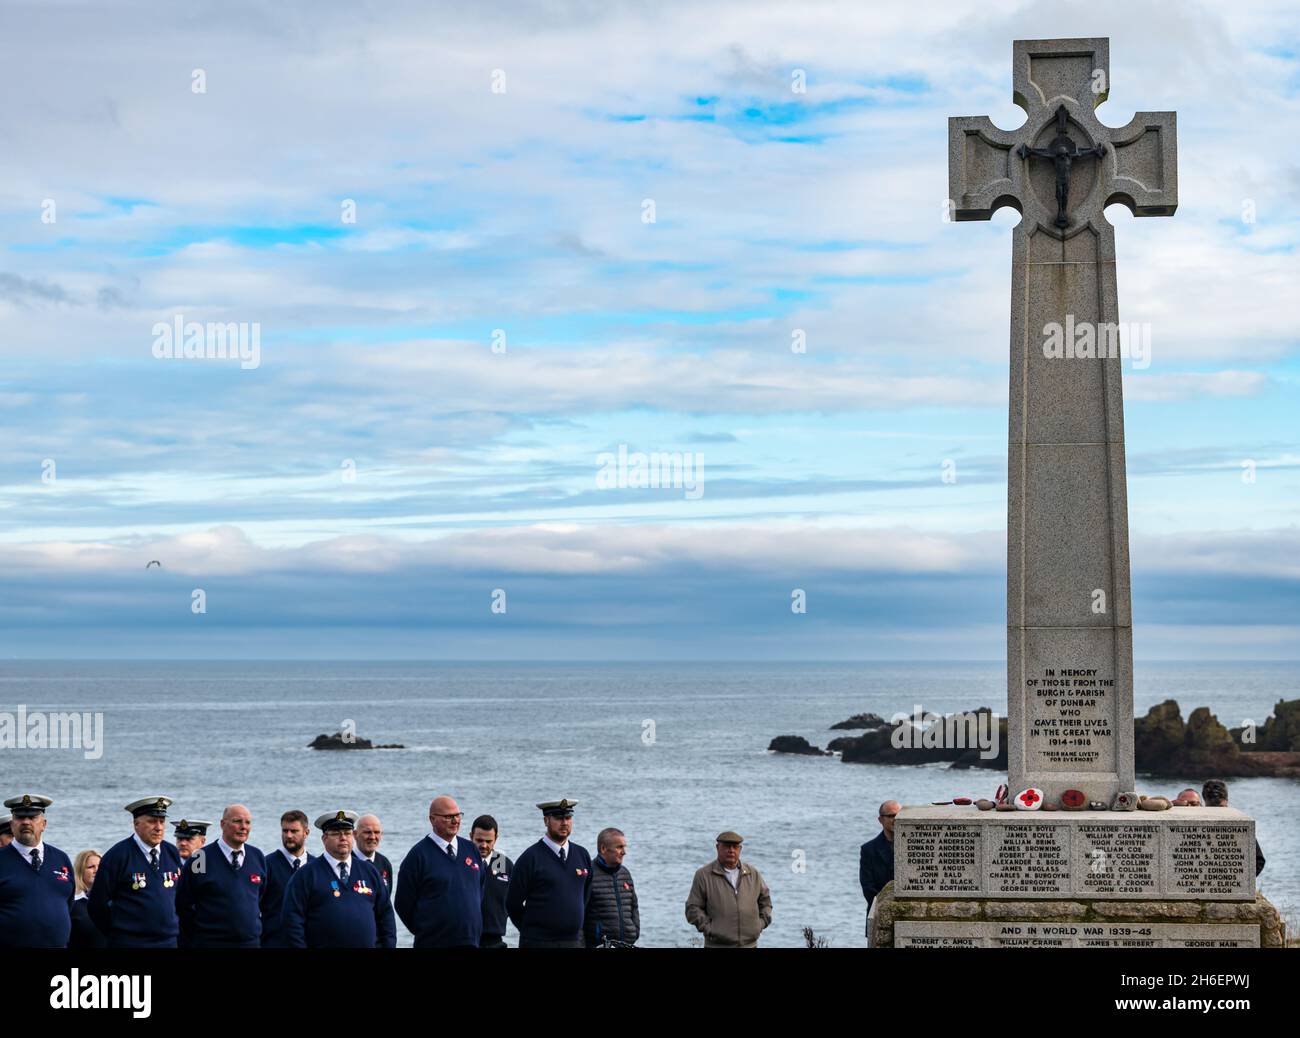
(1186, 853)
(1026, 934)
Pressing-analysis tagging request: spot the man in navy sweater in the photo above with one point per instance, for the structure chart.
(219, 901)
(369, 832)
(280, 867)
(440, 884)
(338, 900)
(551, 884)
(133, 901)
(36, 881)
(484, 834)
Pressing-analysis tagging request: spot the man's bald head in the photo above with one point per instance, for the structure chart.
(444, 816)
(236, 824)
(369, 833)
(887, 812)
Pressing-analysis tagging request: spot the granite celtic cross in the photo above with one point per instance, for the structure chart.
(1069, 626)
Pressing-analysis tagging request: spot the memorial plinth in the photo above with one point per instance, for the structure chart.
(1185, 853)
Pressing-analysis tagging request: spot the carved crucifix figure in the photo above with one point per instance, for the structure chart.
(1063, 152)
(1069, 628)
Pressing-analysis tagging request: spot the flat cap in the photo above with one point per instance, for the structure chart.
(28, 805)
(730, 837)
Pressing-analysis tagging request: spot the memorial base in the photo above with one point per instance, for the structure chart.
(1075, 923)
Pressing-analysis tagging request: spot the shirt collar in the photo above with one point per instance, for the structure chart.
(555, 847)
(334, 863)
(26, 852)
(145, 849)
(228, 850)
(444, 844)
(301, 859)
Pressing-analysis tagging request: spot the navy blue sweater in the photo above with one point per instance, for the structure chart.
(217, 906)
(384, 866)
(547, 901)
(279, 871)
(35, 907)
(321, 912)
(440, 899)
(134, 905)
(494, 896)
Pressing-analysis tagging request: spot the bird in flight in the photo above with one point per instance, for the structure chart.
(153, 562)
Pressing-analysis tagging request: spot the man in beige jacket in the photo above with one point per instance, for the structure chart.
(729, 902)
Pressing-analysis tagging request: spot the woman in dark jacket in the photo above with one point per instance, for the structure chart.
(84, 933)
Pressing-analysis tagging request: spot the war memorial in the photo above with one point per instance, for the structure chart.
(1073, 855)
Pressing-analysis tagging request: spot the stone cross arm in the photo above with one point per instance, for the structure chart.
(1059, 83)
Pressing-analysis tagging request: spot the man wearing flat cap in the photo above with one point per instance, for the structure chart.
(337, 900)
(729, 902)
(133, 901)
(190, 834)
(37, 883)
(440, 884)
(551, 884)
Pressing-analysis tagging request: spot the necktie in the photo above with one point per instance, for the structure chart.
(343, 871)
(563, 854)
(296, 863)
(234, 860)
(450, 852)
(36, 860)
(153, 858)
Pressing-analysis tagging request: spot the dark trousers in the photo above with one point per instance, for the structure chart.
(492, 940)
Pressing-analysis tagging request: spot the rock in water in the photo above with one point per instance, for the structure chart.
(860, 721)
(338, 741)
(795, 744)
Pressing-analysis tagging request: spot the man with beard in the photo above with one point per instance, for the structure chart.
(281, 864)
(551, 884)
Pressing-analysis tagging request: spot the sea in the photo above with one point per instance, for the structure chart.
(670, 753)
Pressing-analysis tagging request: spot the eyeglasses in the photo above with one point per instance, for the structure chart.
(457, 814)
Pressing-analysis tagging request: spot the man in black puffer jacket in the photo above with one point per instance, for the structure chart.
(612, 911)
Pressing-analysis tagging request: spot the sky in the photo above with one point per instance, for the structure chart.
(485, 247)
